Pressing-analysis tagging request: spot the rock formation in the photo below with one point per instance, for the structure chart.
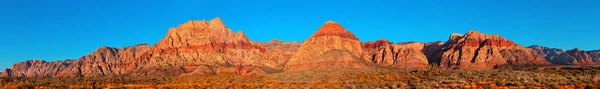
(35, 68)
(201, 47)
(549, 54)
(574, 56)
(320, 49)
(104, 61)
(595, 54)
(194, 47)
(280, 52)
(403, 55)
(198, 46)
(475, 50)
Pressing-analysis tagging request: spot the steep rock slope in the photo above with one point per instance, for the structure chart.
(403, 55)
(475, 50)
(569, 57)
(35, 68)
(195, 47)
(204, 47)
(280, 52)
(104, 61)
(574, 56)
(549, 54)
(595, 54)
(319, 50)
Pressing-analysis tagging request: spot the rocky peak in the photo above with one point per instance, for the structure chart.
(574, 50)
(405, 55)
(574, 56)
(217, 24)
(275, 41)
(330, 37)
(455, 36)
(474, 38)
(104, 49)
(331, 28)
(240, 36)
(370, 46)
(478, 50)
(203, 34)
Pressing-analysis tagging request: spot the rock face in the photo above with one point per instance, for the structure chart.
(574, 56)
(475, 50)
(280, 52)
(404, 55)
(549, 54)
(35, 68)
(595, 54)
(105, 61)
(196, 47)
(319, 49)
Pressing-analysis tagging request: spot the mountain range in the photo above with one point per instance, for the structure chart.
(201, 47)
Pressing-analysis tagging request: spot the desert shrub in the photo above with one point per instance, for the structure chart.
(590, 86)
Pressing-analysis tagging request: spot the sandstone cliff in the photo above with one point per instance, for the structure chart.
(280, 52)
(204, 47)
(595, 54)
(195, 47)
(319, 50)
(36, 68)
(549, 54)
(104, 61)
(574, 56)
(403, 55)
(475, 50)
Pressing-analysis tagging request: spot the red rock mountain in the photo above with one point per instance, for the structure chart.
(319, 50)
(475, 50)
(204, 47)
(280, 52)
(404, 55)
(574, 56)
(194, 47)
(104, 61)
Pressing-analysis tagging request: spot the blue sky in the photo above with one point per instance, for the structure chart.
(61, 29)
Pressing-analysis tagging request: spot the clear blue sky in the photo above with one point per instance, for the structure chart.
(61, 29)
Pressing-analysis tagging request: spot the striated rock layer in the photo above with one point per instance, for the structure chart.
(319, 50)
(203, 47)
(195, 47)
(404, 55)
(475, 50)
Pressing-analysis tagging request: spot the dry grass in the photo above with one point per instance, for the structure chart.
(377, 78)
